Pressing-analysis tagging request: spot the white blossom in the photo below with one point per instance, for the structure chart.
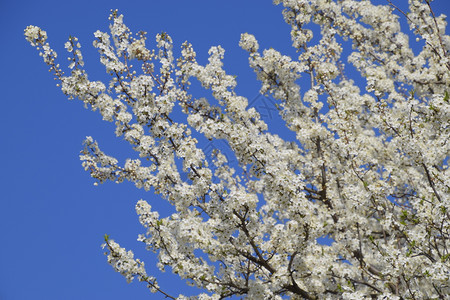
(368, 168)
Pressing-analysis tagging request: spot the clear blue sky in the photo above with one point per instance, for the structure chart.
(52, 217)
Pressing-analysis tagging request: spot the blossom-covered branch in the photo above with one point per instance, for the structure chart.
(368, 168)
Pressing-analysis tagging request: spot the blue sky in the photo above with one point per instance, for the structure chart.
(52, 217)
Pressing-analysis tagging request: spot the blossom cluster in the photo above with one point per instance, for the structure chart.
(368, 168)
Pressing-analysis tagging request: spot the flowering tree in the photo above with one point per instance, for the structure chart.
(368, 168)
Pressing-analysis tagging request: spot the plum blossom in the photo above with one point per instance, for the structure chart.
(367, 169)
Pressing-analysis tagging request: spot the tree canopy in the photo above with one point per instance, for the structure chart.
(368, 168)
